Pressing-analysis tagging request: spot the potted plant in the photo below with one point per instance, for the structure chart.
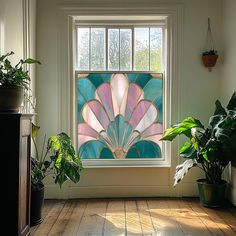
(58, 158)
(209, 55)
(13, 81)
(209, 58)
(210, 149)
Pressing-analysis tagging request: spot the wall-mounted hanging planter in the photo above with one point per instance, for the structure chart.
(209, 58)
(209, 55)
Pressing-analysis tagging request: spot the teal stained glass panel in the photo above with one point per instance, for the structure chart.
(120, 115)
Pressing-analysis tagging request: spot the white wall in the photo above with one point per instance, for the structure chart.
(198, 91)
(11, 26)
(17, 31)
(228, 78)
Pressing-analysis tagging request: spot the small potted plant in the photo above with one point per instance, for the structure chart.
(210, 148)
(58, 158)
(13, 81)
(209, 58)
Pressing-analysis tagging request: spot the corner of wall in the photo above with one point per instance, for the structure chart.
(228, 70)
(232, 193)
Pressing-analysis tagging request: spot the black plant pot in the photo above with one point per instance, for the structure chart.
(211, 195)
(37, 200)
(11, 98)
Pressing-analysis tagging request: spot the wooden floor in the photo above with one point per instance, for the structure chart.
(161, 216)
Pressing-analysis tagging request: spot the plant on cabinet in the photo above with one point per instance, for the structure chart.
(13, 81)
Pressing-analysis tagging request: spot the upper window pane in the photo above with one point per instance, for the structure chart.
(155, 49)
(119, 49)
(97, 49)
(141, 49)
(113, 49)
(83, 48)
(125, 49)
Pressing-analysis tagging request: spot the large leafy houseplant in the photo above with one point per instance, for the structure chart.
(13, 81)
(210, 148)
(58, 158)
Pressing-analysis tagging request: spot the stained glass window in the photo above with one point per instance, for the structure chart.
(119, 115)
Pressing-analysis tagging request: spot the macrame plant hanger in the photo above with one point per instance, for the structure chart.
(209, 44)
(209, 55)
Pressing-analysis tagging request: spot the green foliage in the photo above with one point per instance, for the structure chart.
(14, 75)
(182, 170)
(57, 158)
(184, 127)
(210, 52)
(142, 59)
(210, 148)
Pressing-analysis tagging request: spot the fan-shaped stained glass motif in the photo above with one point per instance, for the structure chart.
(119, 115)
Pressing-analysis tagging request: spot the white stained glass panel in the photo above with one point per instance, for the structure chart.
(155, 49)
(97, 55)
(83, 48)
(125, 49)
(141, 49)
(113, 49)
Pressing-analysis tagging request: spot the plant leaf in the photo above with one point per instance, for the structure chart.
(214, 121)
(31, 61)
(59, 161)
(223, 135)
(67, 164)
(182, 170)
(187, 150)
(6, 55)
(232, 102)
(181, 128)
(35, 130)
(54, 143)
(205, 156)
(219, 110)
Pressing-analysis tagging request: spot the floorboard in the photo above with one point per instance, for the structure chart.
(135, 217)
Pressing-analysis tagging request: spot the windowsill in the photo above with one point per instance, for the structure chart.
(125, 163)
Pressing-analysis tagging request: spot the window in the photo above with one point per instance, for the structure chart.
(119, 49)
(119, 87)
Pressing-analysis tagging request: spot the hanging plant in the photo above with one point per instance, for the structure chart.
(209, 55)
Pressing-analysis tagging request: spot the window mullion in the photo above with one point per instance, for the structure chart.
(132, 49)
(119, 50)
(106, 47)
(90, 49)
(149, 49)
(163, 50)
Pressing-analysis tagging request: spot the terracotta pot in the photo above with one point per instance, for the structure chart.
(209, 60)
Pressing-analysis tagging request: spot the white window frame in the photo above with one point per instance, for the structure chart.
(165, 161)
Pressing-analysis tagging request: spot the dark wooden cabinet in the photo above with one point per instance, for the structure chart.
(15, 152)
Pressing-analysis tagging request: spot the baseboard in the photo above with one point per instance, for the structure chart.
(189, 189)
(52, 192)
(232, 195)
